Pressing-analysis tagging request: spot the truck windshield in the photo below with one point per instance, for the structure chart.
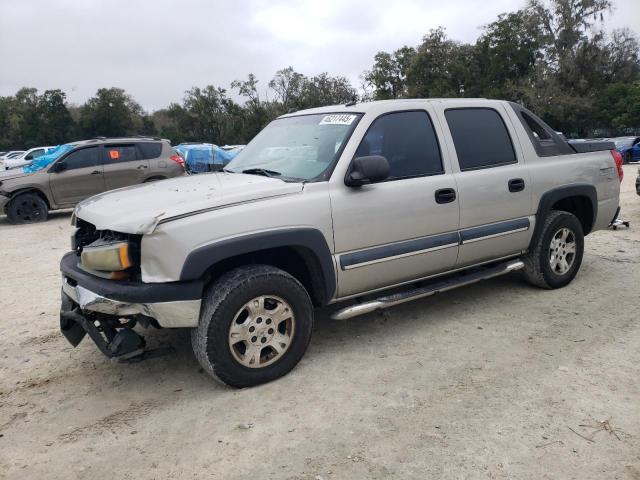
(303, 147)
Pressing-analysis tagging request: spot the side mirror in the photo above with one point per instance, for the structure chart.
(60, 167)
(365, 170)
(29, 157)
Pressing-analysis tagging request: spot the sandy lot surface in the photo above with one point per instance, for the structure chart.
(495, 380)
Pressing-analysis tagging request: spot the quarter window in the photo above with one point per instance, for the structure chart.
(538, 131)
(119, 153)
(480, 137)
(407, 140)
(86, 157)
(149, 150)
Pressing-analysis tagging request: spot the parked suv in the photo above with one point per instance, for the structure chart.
(74, 171)
(364, 206)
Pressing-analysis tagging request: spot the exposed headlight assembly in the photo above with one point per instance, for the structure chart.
(108, 259)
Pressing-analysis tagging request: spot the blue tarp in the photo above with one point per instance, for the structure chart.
(45, 160)
(202, 157)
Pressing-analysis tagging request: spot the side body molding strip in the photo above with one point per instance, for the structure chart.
(493, 230)
(432, 243)
(398, 250)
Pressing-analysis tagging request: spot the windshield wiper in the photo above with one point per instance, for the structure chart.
(262, 171)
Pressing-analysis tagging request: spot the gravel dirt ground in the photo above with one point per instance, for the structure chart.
(496, 380)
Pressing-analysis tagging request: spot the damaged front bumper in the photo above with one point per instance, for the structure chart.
(107, 310)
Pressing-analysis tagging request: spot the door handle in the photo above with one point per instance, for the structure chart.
(445, 195)
(96, 172)
(516, 185)
(140, 167)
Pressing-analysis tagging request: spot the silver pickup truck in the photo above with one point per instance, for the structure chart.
(364, 206)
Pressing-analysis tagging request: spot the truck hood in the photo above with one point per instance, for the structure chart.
(140, 208)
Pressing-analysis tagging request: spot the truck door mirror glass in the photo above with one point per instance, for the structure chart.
(369, 169)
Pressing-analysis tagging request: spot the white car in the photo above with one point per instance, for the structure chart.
(25, 158)
(11, 154)
(7, 155)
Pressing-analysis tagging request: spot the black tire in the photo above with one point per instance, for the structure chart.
(153, 179)
(221, 303)
(537, 263)
(626, 158)
(27, 208)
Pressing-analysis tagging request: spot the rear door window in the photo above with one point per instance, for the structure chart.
(119, 153)
(407, 140)
(481, 138)
(83, 158)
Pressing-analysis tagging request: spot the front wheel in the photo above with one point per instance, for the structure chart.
(255, 326)
(557, 255)
(626, 158)
(27, 208)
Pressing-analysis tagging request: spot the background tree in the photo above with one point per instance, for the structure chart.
(56, 124)
(552, 56)
(111, 113)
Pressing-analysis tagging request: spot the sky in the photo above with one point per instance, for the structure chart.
(157, 49)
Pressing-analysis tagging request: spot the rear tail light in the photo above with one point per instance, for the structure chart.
(618, 159)
(178, 159)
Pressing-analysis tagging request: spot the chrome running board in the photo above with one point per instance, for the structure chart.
(456, 281)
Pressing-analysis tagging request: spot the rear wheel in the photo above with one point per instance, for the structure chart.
(255, 325)
(556, 257)
(626, 158)
(27, 208)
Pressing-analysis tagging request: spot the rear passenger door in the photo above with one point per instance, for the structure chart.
(123, 166)
(405, 227)
(493, 183)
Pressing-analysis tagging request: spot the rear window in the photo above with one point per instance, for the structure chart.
(149, 150)
(480, 137)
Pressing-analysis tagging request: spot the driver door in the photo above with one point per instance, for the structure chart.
(77, 176)
(403, 228)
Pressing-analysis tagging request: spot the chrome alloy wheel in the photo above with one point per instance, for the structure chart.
(562, 251)
(261, 331)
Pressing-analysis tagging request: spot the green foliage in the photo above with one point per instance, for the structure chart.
(552, 56)
(548, 56)
(28, 119)
(111, 113)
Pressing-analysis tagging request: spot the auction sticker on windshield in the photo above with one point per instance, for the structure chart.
(337, 119)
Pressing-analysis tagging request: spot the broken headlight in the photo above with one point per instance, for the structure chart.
(106, 256)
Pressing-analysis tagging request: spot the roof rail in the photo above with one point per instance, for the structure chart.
(96, 139)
